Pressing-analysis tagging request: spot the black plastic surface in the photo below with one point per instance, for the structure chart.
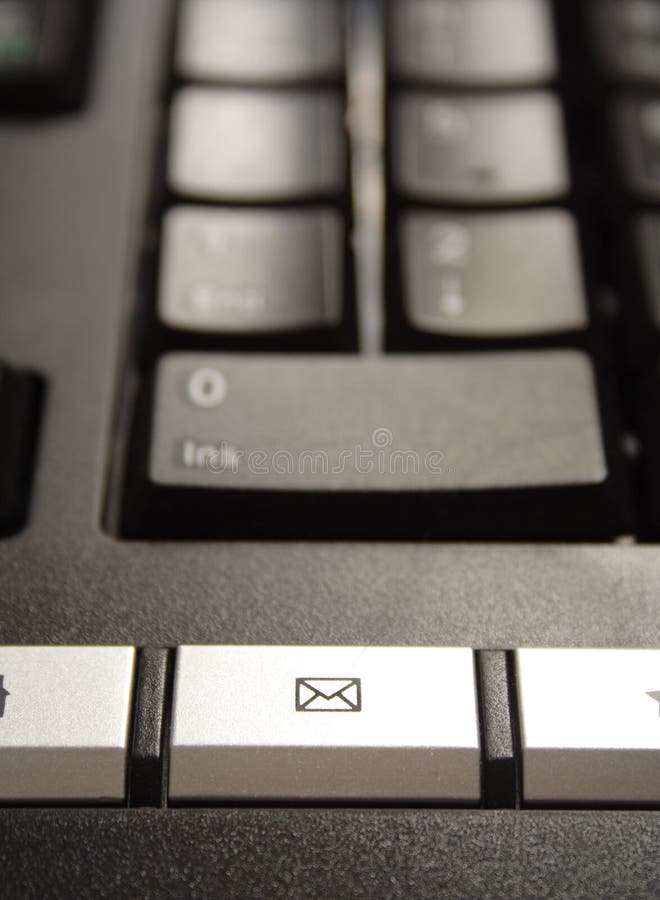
(500, 787)
(329, 854)
(145, 775)
(72, 208)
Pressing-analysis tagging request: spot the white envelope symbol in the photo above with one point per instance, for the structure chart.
(328, 695)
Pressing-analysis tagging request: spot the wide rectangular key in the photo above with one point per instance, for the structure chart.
(325, 723)
(260, 41)
(65, 716)
(478, 149)
(237, 145)
(590, 730)
(475, 446)
(251, 271)
(492, 275)
(471, 43)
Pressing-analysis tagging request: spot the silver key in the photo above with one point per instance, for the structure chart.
(252, 41)
(590, 727)
(64, 723)
(479, 149)
(251, 271)
(228, 144)
(489, 43)
(325, 723)
(492, 275)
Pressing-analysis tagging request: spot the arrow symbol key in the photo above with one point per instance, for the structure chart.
(654, 695)
(4, 693)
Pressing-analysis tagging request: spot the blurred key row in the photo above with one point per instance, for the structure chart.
(511, 177)
(302, 41)
(235, 145)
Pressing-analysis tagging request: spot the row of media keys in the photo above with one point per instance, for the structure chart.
(326, 723)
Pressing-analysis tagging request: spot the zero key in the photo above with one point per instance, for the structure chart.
(473, 446)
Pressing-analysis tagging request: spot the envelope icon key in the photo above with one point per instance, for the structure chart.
(328, 695)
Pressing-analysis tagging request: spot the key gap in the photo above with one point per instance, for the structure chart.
(365, 97)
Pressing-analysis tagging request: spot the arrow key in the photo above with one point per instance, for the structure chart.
(589, 726)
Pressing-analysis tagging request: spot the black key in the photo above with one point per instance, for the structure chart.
(648, 242)
(20, 397)
(257, 146)
(44, 53)
(627, 39)
(638, 132)
(645, 391)
(471, 43)
(648, 233)
(638, 274)
(251, 272)
(492, 276)
(491, 446)
(478, 149)
(261, 41)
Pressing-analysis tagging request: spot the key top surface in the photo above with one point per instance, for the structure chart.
(461, 42)
(590, 728)
(492, 275)
(301, 723)
(478, 149)
(251, 145)
(251, 271)
(64, 723)
(472, 445)
(252, 41)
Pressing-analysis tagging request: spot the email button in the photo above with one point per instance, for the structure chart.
(399, 724)
(328, 695)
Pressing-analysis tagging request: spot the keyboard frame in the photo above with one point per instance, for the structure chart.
(74, 192)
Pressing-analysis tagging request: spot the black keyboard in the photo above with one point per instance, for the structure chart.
(329, 383)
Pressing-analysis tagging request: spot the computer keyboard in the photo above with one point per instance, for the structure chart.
(329, 495)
